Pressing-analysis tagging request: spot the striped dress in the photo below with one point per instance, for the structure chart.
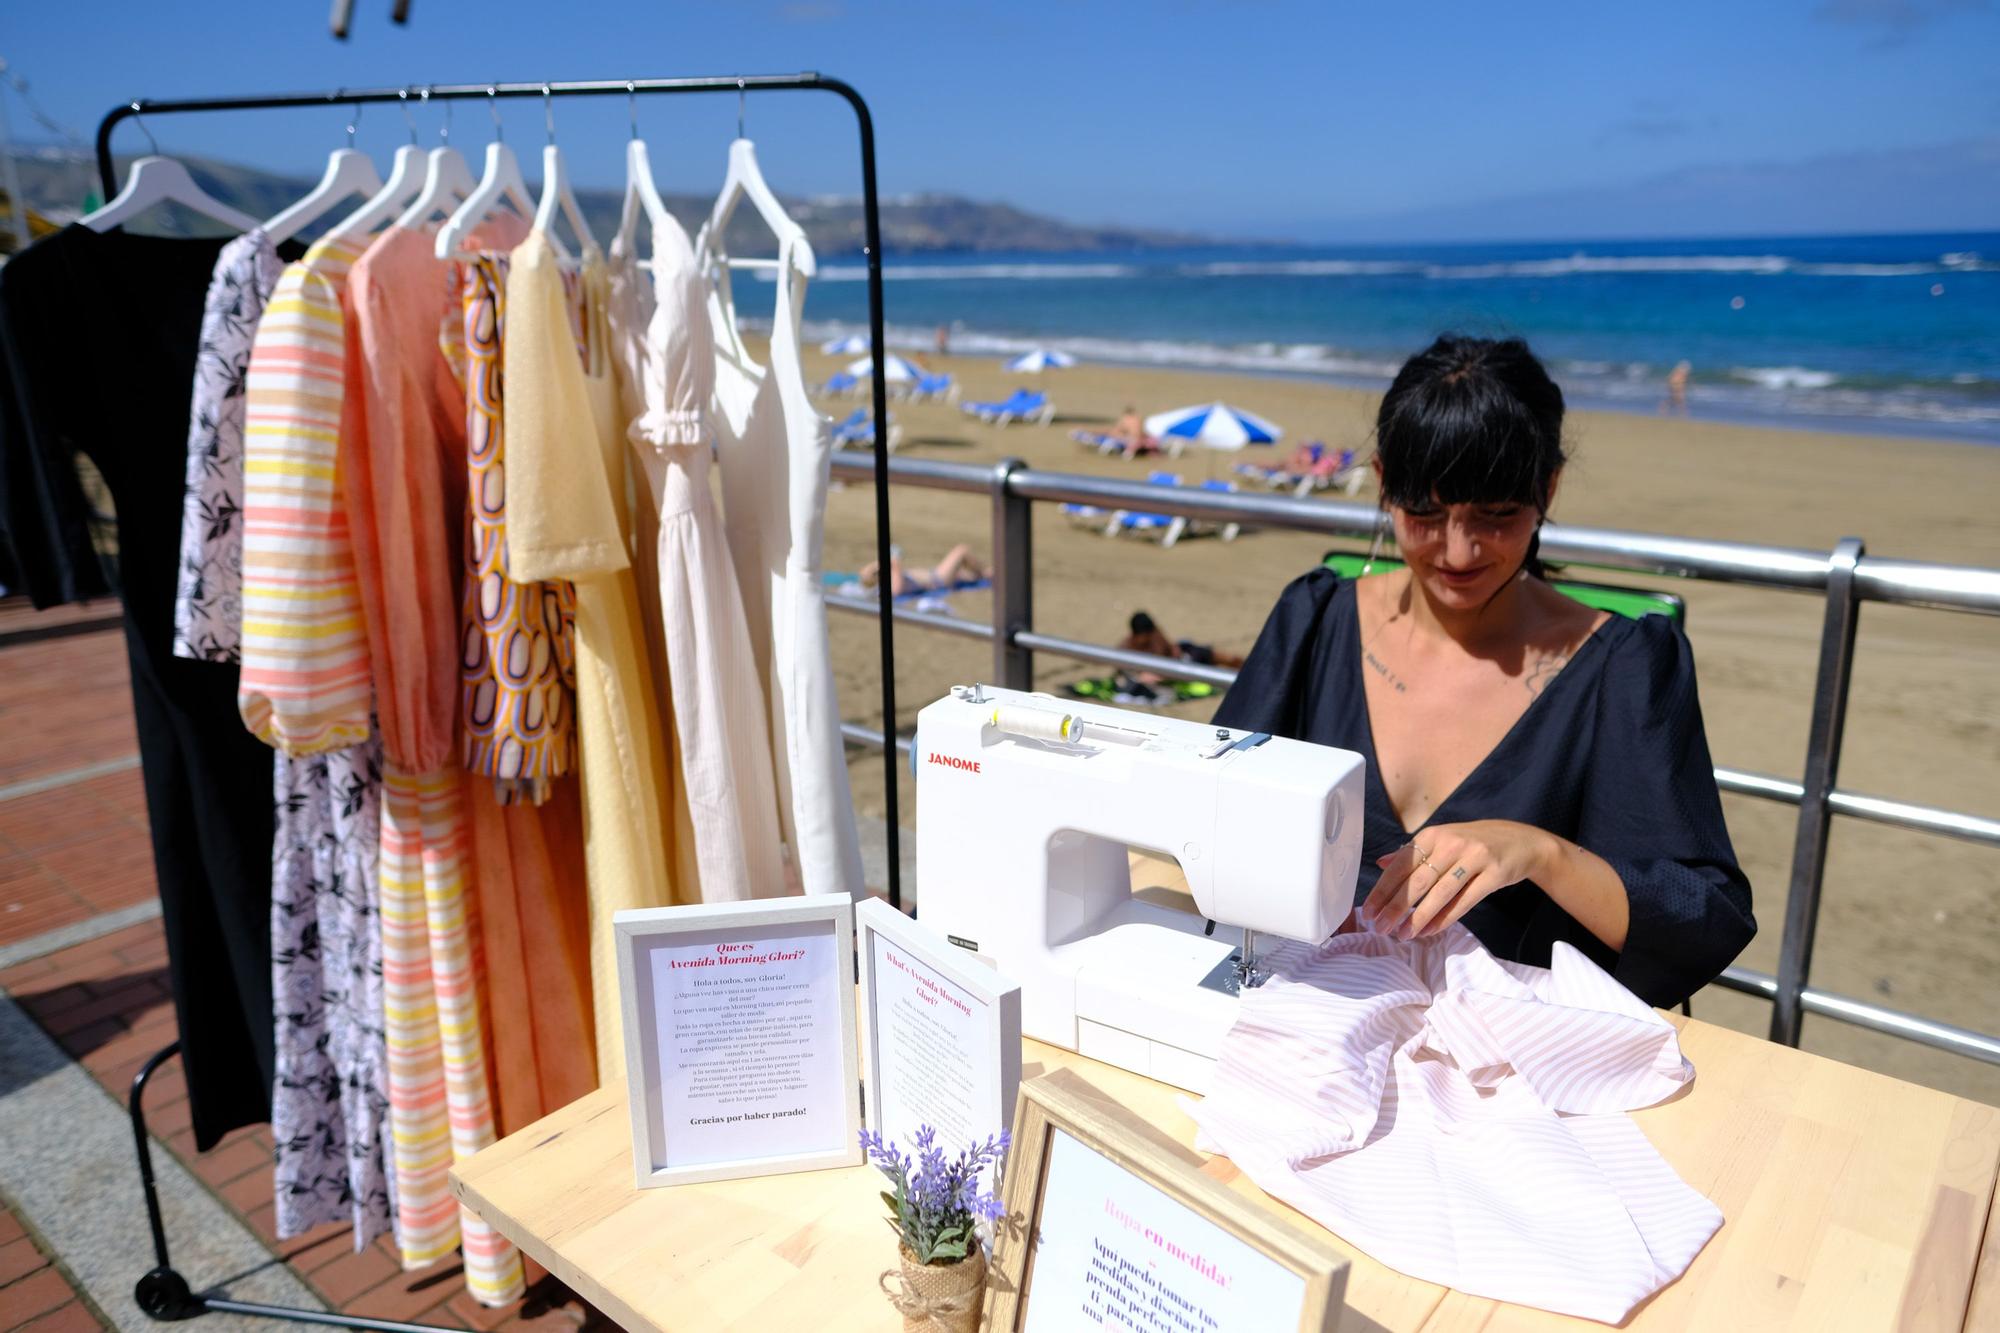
(402, 457)
(305, 685)
(305, 688)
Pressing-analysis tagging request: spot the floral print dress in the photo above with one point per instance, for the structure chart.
(208, 594)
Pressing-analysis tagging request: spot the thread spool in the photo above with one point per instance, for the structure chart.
(1040, 724)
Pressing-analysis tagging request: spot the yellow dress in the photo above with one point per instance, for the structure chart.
(568, 518)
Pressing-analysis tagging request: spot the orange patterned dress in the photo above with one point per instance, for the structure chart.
(518, 647)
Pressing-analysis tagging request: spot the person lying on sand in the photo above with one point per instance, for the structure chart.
(959, 567)
(1147, 637)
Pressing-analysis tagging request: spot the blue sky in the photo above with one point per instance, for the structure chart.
(1313, 121)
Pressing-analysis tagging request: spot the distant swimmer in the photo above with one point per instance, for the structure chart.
(944, 340)
(1676, 401)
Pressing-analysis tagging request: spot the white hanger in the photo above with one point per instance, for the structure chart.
(163, 180)
(447, 179)
(406, 180)
(641, 194)
(556, 192)
(347, 173)
(745, 181)
(502, 180)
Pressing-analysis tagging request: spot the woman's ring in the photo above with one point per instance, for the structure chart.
(1423, 858)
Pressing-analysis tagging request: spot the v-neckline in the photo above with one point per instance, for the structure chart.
(1353, 659)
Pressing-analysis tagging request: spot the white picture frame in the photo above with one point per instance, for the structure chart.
(750, 1127)
(883, 933)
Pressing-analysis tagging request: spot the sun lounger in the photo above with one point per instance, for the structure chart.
(1202, 527)
(840, 382)
(858, 430)
(1168, 528)
(930, 387)
(1089, 516)
(1019, 406)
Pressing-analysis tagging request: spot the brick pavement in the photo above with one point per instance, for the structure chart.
(78, 851)
(36, 1295)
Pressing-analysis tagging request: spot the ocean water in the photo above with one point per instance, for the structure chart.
(1897, 334)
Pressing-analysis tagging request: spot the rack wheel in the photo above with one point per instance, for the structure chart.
(163, 1294)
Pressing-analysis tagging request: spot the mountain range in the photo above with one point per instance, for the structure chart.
(56, 184)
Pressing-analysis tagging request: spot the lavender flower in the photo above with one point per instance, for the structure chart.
(937, 1201)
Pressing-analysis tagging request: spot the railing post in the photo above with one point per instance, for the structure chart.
(1013, 579)
(1829, 719)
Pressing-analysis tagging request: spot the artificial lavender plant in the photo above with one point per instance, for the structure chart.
(937, 1203)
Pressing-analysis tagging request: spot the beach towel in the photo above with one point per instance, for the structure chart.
(1135, 694)
(1460, 1118)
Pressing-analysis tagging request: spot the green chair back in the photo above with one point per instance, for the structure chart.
(1628, 602)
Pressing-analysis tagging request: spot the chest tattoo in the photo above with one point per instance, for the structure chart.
(1381, 669)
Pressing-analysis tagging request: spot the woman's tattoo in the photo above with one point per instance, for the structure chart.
(1542, 669)
(1381, 669)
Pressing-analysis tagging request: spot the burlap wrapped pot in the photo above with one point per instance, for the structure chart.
(938, 1298)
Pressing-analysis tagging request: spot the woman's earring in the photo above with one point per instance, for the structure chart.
(1374, 546)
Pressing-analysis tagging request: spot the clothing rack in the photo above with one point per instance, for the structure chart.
(163, 1293)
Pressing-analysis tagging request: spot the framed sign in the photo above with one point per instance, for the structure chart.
(1111, 1225)
(941, 1033)
(739, 1038)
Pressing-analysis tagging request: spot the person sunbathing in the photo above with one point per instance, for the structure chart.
(1147, 637)
(959, 568)
(1130, 435)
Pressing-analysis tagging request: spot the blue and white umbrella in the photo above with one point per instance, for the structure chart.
(895, 369)
(1217, 425)
(1039, 360)
(847, 346)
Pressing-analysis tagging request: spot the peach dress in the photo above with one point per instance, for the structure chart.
(465, 988)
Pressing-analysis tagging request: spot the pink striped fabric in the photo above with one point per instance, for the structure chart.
(305, 686)
(440, 1106)
(1460, 1118)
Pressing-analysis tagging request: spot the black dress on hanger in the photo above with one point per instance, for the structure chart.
(98, 338)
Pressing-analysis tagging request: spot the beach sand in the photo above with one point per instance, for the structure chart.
(1907, 920)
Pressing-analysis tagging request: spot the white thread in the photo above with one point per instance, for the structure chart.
(1041, 724)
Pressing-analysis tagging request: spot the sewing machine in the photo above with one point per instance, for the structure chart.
(1026, 806)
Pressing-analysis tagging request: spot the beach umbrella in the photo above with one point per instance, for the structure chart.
(847, 346)
(895, 369)
(1217, 425)
(1039, 360)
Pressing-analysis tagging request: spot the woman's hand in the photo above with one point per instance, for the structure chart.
(1443, 872)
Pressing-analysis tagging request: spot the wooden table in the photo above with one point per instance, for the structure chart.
(1853, 1201)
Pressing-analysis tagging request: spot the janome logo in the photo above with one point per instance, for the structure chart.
(953, 761)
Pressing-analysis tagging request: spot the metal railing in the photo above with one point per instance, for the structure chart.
(1844, 577)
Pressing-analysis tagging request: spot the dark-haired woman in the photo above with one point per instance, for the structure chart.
(1536, 769)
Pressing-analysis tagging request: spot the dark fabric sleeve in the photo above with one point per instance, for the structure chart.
(1651, 809)
(1272, 690)
(44, 515)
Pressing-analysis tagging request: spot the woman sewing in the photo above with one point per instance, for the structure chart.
(1535, 769)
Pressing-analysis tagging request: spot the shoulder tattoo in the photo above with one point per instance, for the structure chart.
(1542, 668)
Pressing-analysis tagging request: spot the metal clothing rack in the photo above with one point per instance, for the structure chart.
(163, 1293)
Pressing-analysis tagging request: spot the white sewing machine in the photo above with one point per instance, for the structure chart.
(1026, 806)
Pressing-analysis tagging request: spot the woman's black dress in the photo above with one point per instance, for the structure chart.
(1611, 756)
(98, 336)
